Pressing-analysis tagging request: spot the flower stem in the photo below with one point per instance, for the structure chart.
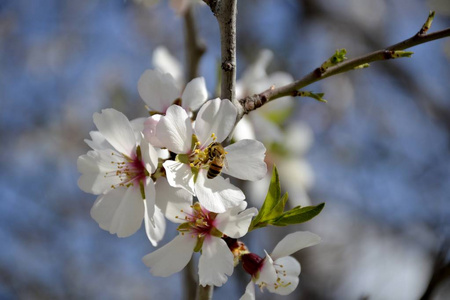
(205, 292)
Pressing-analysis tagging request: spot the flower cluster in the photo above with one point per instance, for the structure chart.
(152, 168)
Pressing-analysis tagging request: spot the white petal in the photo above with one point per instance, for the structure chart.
(216, 116)
(172, 257)
(138, 127)
(215, 262)
(233, 224)
(164, 61)
(98, 141)
(179, 175)
(288, 270)
(245, 160)
(120, 211)
(173, 202)
(158, 90)
(195, 94)
(155, 225)
(97, 171)
(174, 130)
(217, 194)
(149, 131)
(267, 274)
(244, 130)
(249, 292)
(265, 130)
(149, 156)
(116, 129)
(294, 242)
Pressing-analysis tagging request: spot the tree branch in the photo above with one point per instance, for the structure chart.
(195, 47)
(253, 102)
(205, 292)
(225, 12)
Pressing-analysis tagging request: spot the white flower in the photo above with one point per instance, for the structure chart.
(191, 169)
(119, 169)
(160, 90)
(256, 80)
(278, 272)
(201, 230)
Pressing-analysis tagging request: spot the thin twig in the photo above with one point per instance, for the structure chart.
(195, 47)
(254, 101)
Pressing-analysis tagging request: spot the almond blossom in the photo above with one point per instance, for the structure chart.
(201, 230)
(278, 272)
(119, 170)
(190, 169)
(160, 90)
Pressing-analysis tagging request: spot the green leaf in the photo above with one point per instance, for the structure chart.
(317, 96)
(298, 215)
(401, 53)
(337, 57)
(272, 198)
(278, 208)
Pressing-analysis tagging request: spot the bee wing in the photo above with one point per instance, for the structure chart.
(225, 163)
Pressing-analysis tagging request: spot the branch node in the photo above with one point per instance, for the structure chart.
(227, 66)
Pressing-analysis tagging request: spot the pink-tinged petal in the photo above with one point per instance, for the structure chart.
(149, 156)
(179, 175)
(98, 141)
(158, 90)
(217, 194)
(288, 270)
(172, 257)
(267, 274)
(174, 130)
(249, 292)
(149, 131)
(120, 211)
(97, 171)
(245, 160)
(195, 94)
(155, 225)
(215, 117)
(216, 262)
(294, 242)
(117, 130)
(164, 61)
(233, 223)
(173, 202)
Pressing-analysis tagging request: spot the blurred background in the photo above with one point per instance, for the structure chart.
(377, 153)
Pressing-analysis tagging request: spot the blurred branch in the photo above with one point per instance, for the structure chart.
(205, 292)
(253, 102)
(225, 11)
(195, 47)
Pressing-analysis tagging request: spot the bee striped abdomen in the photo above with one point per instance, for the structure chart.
(214, 170)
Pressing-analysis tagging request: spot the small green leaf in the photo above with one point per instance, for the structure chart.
(337, 57)
(273, 195)
(363, 66)
(401, 53)
(298, 215)
(278, 208)
(317, 96)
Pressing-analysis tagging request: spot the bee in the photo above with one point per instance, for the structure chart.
(216, 155)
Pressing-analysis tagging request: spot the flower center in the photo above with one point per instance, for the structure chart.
(199, 223)
(211, 158)
(129, 170)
